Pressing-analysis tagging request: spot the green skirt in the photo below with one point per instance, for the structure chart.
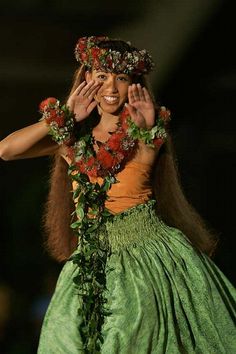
(163, 295)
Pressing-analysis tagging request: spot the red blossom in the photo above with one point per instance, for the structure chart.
(51, 115)
(47, 102)
(82, 44)
(60, 120)
(84, 56)
(91, 161)
(81, 166)
(93, 172)
(105, 157)
(115, 141)
(95, 52)
(109, 61)
(164, 114)
(158, 142)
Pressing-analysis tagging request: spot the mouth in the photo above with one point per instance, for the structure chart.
(111, 99)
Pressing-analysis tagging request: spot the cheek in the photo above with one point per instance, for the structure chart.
(124, 93)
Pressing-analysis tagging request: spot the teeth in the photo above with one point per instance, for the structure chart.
(110, 98)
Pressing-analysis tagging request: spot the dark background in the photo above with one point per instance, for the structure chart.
(192, 43)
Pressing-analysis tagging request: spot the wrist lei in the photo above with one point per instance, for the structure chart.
(90, 212)
(60, 119)
(154, 136)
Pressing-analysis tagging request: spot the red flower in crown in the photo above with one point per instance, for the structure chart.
(50, 101)
(109, 61)
(95, 52)
(84, 56)
(82, 44)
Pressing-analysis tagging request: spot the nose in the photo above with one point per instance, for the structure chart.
(111, 84)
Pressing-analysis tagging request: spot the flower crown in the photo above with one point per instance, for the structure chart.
(88, 52)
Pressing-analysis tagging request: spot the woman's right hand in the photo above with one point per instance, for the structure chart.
(81, 101)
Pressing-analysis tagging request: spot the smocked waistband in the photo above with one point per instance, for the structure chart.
(132, 226)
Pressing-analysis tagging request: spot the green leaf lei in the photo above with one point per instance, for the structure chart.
(91, 259)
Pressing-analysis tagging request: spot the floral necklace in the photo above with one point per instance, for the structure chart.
(108, 159)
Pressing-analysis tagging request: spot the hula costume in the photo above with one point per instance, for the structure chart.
(162, 294)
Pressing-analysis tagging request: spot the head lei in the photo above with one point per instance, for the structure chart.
(132, 62)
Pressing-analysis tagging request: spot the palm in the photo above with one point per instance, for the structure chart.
(141, 107)
(82, 102)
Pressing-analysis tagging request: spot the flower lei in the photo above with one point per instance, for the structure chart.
(88, 52)
(60, 119)
(90, 212)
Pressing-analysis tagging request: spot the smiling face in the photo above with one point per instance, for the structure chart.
(114, 90)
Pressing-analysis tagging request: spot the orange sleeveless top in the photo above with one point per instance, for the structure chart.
(133, 187)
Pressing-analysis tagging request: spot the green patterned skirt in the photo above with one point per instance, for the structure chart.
(163, 295)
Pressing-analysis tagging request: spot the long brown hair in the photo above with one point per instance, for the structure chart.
(172, 205)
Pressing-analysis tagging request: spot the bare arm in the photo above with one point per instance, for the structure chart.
(31, 141)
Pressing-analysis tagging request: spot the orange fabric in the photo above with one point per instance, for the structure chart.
(133, 188)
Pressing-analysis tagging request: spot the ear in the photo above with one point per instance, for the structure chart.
(88, 76)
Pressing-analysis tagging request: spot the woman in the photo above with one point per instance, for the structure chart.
(138, 277)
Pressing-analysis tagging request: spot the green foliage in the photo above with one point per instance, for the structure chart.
(90, 213)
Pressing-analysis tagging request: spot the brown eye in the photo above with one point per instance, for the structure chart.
(123, 78)
(101, 77)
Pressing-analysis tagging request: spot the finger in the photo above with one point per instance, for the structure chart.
(135, 92)
(91, 106)
(131, 110)
(146, 95)
(130, 95)
(76, 92)
(87, 87)
(79, 88)
(140, 92)
(93, 90)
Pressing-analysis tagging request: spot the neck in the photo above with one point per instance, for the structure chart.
(108, 122)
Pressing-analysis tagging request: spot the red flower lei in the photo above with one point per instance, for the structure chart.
(110, 155)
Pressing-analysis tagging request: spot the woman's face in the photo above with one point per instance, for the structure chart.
(113, 93)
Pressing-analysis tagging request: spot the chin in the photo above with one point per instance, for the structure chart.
(112, 109)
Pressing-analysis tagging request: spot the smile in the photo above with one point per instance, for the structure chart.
(111, 99)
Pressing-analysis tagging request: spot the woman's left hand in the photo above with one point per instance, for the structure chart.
(140, 106)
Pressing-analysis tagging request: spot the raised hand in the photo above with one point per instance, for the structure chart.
(82, 102)
(140, 106)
